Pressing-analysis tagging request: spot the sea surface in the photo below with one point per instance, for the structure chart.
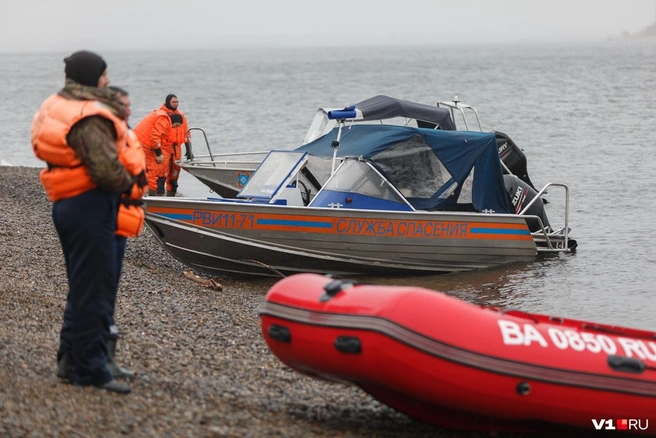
(585, 115)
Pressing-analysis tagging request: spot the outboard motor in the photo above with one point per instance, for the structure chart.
(520, 194)
(513, 157)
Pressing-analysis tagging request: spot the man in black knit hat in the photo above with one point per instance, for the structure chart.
(80, 133)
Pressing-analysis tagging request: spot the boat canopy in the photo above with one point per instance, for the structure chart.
(384, 107)
(433, 169)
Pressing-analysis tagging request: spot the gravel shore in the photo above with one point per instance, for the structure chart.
(203, 368)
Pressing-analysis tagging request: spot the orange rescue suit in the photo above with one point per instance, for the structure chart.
(176, 137)
(152, 132)
(66, 176)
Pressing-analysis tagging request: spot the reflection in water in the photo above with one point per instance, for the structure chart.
(507, 286)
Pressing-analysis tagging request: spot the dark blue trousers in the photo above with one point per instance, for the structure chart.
(120, 242)
(86, 225)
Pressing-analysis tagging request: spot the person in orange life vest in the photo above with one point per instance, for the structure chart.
(173, 154)
(125, 202)
(178, 135)
(170, 105)
(168, 151)
(128, 203)
(81, 133)
(153, 133)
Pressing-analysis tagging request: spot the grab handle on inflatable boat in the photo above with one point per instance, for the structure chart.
(348, 344)
(280, 333)
(334, 287)
(626, 364)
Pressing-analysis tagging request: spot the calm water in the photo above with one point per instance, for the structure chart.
(584, 115)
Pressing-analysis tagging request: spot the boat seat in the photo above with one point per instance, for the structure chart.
(292, 195)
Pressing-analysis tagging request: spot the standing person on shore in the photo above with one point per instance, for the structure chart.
(129, 224)
(153, 133)
(81, 133)
(177, 136)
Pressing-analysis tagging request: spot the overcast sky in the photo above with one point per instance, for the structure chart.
(65, 25)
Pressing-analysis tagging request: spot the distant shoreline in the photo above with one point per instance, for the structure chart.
(648, 32)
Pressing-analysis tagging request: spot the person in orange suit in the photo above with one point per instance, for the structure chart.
(173, 153)
(177, 136)
(153, 133)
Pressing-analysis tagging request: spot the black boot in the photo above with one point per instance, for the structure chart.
(117, 371)
(161, 185)
(65, 369)
(115, 386)
(152, 192)
(174, 188)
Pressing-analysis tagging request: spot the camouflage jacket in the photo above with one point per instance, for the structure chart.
(93, 138)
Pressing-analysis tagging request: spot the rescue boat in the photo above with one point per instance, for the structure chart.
(462, 366)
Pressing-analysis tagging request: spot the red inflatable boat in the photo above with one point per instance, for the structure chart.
(461, 366)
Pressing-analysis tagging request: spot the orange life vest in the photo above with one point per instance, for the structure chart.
(66, 176)
(130, 220)
(177, 135)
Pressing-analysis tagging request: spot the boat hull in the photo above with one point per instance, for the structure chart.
(460, 366)
(224, 178)
(222, 238)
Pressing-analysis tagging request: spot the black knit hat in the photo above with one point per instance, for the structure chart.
(85, 68)
(176, 118)
(167, 102)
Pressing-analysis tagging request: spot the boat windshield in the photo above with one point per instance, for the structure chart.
(355, 176)
(273, 173)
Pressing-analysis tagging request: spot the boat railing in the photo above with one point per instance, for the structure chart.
(202, 160)
(457, 106)
(222, 164)
(547, 233)
(207, 142)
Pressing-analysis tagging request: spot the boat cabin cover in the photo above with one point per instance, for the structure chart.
(433, 169)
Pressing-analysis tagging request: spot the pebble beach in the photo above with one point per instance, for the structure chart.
(202, 366)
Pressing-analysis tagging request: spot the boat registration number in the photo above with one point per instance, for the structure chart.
(515, 334)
